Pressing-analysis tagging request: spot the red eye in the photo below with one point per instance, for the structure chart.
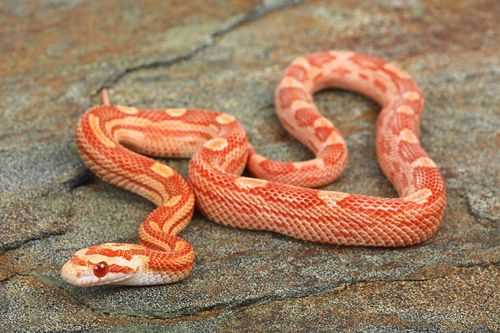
(101, 269)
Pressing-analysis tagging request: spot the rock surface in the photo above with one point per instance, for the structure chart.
(228, 56)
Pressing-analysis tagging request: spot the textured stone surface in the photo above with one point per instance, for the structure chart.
(228, 56)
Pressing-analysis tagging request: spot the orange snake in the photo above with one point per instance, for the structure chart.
(111, 139)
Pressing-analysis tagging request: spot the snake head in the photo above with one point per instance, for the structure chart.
(105, 264)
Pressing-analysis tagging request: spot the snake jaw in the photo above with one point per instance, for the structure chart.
(84, 270)
(84, 276)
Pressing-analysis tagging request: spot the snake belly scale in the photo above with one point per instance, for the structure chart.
(114, 142)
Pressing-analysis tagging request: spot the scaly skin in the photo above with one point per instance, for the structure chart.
(278, 201)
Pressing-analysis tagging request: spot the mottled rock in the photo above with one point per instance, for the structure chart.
(228, 56)
(26, 218)
(40, 166)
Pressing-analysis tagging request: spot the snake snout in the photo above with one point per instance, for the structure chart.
(77, 275)
(94, 270)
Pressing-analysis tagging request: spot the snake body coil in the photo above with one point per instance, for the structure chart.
(113, 140)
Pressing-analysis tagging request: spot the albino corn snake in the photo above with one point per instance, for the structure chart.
(278, 199)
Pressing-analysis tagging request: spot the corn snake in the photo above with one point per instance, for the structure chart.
(112, 141)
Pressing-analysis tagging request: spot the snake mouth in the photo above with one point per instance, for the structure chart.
(83, 276)
(72, 274)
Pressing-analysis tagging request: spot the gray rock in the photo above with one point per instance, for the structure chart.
(228, 56)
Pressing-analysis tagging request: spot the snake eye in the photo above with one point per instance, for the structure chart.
(101, 269)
